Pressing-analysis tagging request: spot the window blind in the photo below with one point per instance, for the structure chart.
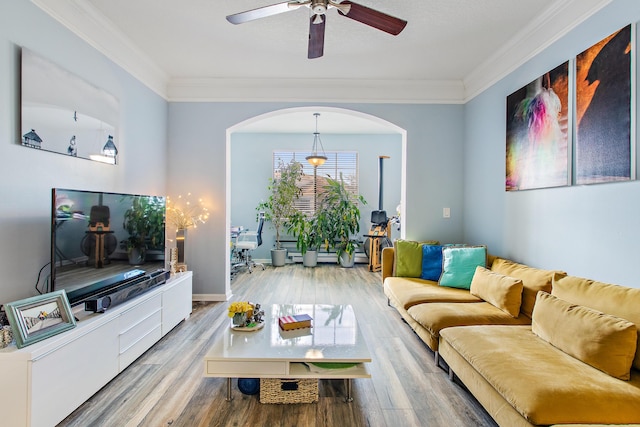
(338, 162)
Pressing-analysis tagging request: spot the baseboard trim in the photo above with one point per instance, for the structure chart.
(208, 297)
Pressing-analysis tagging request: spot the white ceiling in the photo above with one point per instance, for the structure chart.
(444, 39)
(449, 51)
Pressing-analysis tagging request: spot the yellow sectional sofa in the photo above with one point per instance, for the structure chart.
(428, 307)
(570, 357)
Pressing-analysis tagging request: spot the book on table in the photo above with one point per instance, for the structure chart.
(295, 321)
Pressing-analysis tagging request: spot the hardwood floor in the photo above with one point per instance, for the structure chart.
(166, 387)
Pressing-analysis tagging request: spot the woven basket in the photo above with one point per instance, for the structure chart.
(275, 390)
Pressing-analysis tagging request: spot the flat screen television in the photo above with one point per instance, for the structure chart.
(101, 241)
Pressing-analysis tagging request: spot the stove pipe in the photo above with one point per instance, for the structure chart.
(380, 181)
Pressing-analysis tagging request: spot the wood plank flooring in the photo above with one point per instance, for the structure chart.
(166, 387)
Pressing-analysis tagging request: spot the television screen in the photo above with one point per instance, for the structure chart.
(100, 240)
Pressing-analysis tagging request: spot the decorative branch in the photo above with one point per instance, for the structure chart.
(184, 214)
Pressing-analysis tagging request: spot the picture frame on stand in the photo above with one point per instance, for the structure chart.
(40, 317)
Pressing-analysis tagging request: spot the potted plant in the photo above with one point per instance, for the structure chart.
(279, 206)
(144, 221)
(340, 214)
(308, 236)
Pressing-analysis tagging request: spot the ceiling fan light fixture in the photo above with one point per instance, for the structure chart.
(318, 8)
(344, 8)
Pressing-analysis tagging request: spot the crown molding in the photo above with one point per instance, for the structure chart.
(316, 90)
(541, 33)
(81, 18)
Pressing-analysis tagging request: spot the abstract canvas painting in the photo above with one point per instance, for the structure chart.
(537, 132)
(603, 110)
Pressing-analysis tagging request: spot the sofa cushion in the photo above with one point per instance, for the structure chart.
(555, 389)
(501, 291)
(603, 341)
(436, 316)
(408, 258)
(533, 280)
(407, 292)
(616, 300)
(431, 262)
(459, 265)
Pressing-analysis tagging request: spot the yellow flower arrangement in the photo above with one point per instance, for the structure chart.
(240, 307)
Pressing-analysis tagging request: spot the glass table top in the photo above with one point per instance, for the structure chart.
(334, 336)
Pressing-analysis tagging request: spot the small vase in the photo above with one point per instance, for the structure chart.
(239, 319)
(6, 336)
(181, 237)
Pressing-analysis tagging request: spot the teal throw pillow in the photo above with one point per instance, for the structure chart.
(431, 262)
(408, 258)
(459, 265)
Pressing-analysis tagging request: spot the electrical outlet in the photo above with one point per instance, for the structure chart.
(446, 213)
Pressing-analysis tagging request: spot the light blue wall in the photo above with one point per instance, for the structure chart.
(251, 160)
(197, 135)
(27, 175)
(589, 231)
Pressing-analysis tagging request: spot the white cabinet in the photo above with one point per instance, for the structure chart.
(87, 363)
(175, 302)
(140, 328)
(46, 381)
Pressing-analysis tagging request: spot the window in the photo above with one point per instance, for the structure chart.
(338, 162)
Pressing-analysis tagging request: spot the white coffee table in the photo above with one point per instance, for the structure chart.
(272, 353)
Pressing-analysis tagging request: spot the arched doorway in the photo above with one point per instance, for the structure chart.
(301, 120)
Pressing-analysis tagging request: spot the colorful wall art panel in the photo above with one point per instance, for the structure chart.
(603, 110)
(537, 133)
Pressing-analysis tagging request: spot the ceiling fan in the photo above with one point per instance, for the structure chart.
(355, 11)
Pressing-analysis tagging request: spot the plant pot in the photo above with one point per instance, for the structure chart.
(239, 319)
(135, 257)
(346, 260)
(278, 257)
(310, 259)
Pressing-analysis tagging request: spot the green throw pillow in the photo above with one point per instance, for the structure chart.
(408, 262)
(459, 265)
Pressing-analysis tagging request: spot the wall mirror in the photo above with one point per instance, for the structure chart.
(65, 114)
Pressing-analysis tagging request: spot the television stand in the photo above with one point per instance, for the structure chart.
(48, 380)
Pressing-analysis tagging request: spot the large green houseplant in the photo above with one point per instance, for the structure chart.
(144, 221)
(309, 237)
(279, 206)
(339, 217)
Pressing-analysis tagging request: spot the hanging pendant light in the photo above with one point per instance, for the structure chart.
(109, 149)
(316, 159)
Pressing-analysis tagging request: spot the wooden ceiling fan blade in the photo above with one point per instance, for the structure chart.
(316, 36)
(263, 12)
(373, 18)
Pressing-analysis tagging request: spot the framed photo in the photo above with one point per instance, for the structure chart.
(37, 318)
